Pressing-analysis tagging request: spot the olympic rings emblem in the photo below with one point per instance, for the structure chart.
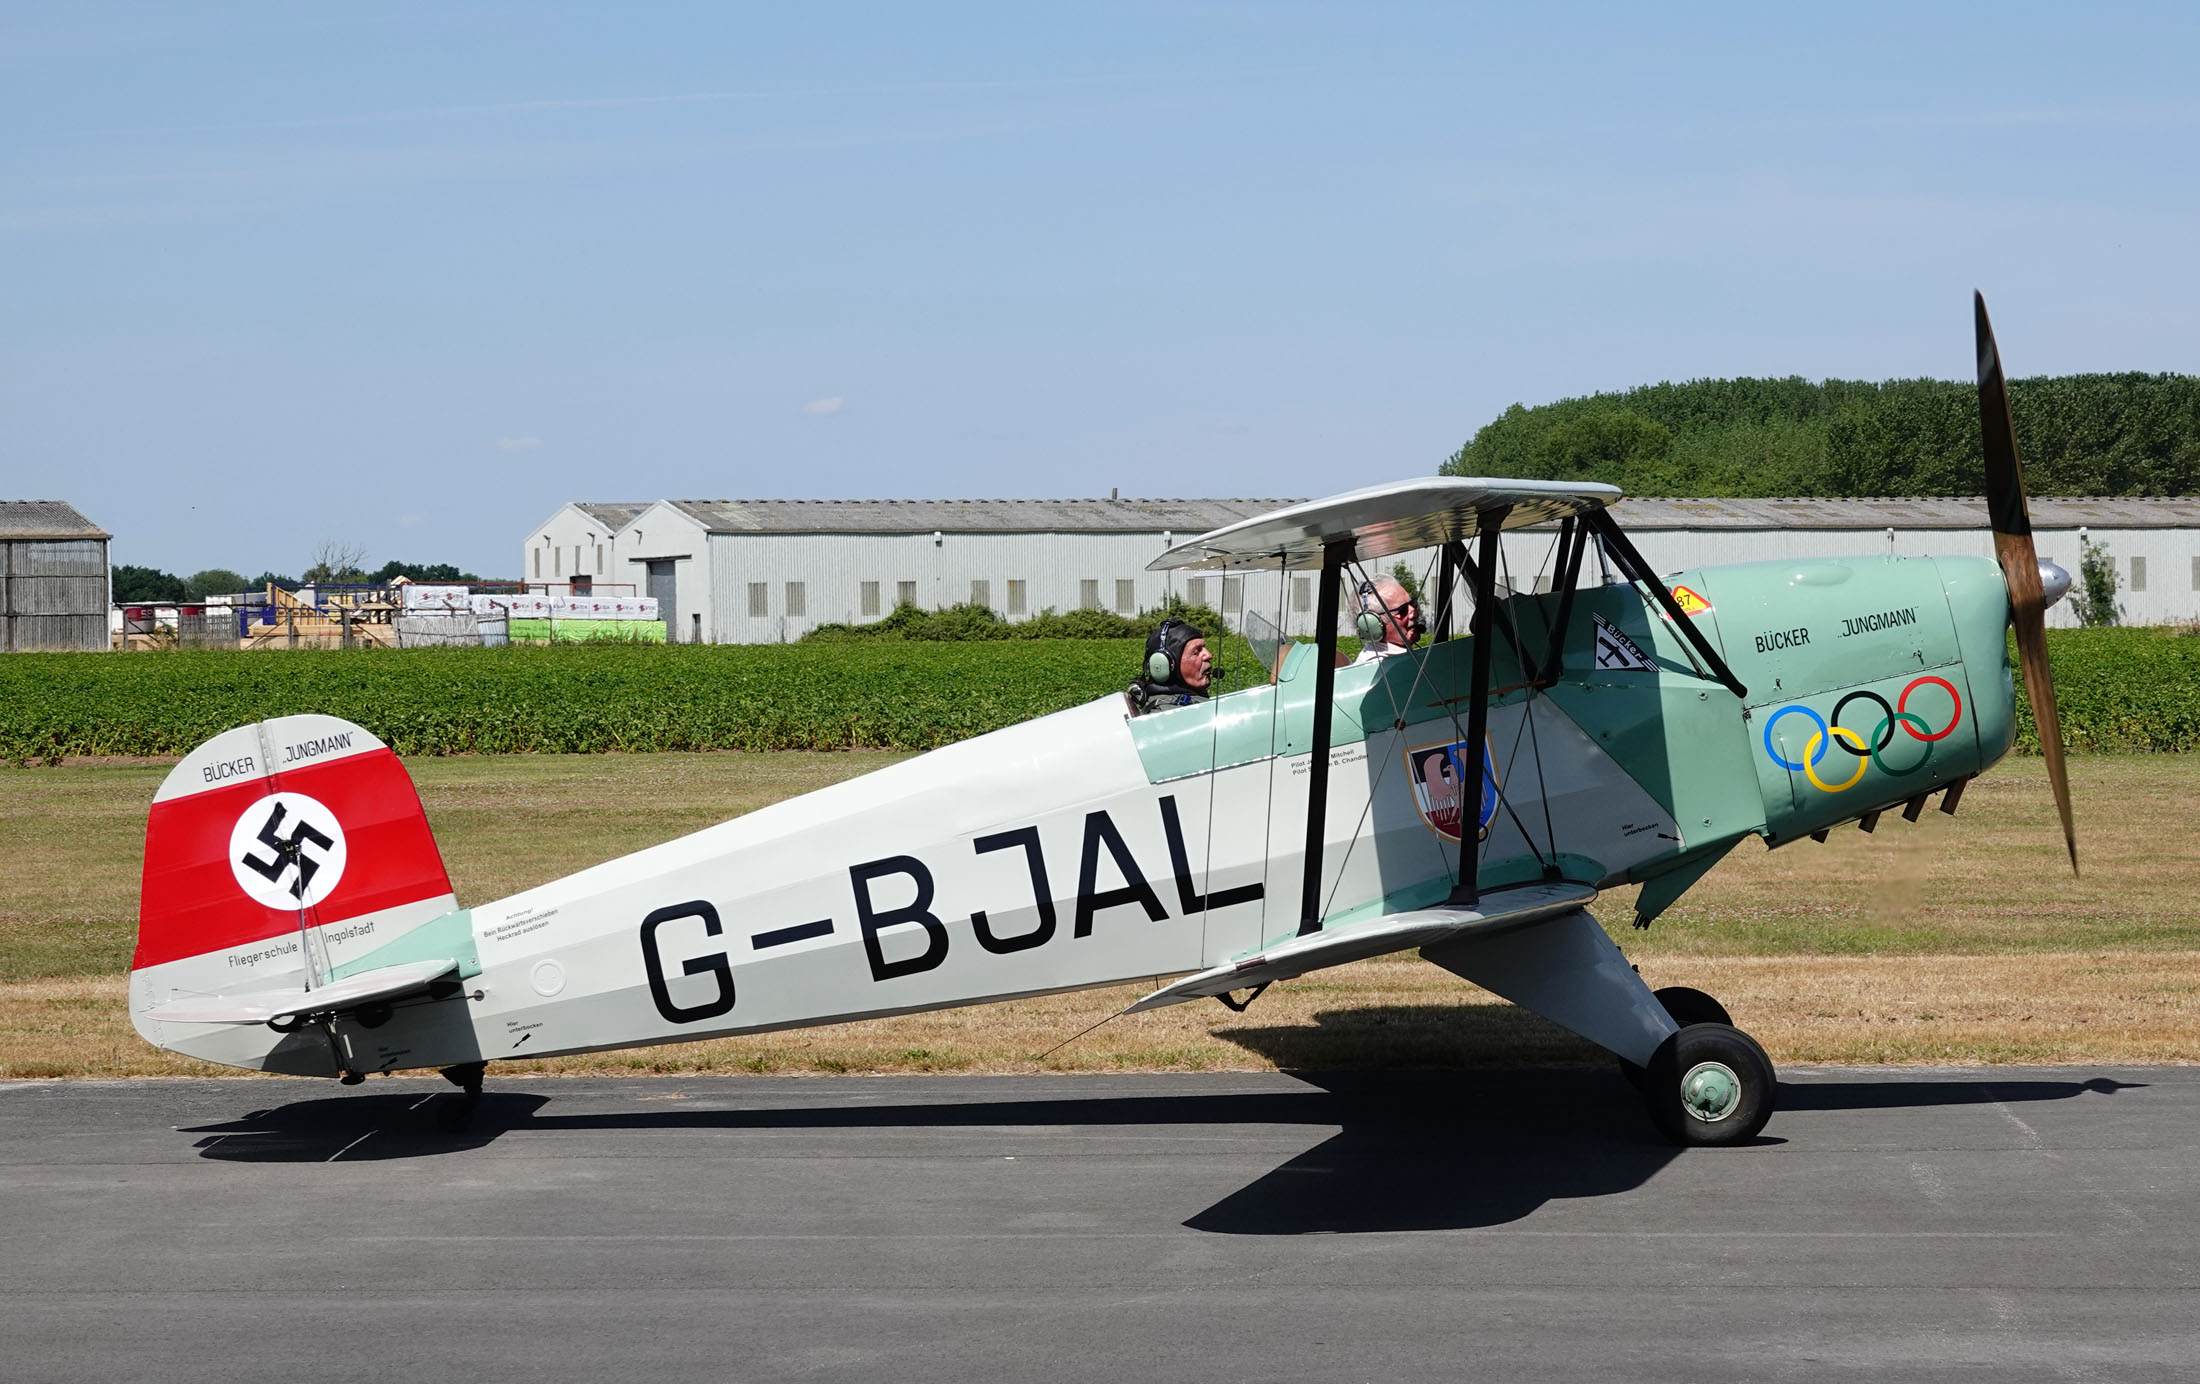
(1869, 749)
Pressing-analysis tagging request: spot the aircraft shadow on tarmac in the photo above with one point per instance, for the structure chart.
(1413, 1150)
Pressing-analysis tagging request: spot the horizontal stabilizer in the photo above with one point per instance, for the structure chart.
(1392, 932)
(284, 1005)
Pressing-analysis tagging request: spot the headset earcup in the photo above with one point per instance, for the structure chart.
(1157, 667)
(1369, 626)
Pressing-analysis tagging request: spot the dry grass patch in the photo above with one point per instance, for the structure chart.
(2077, 1007)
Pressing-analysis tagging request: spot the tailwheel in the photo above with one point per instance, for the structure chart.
(1710, 1085)
(1688, 1006)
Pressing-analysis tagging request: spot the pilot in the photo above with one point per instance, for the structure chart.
(1390, 620)
(1179, 669)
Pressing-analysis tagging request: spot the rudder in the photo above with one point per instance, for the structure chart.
(274, 854)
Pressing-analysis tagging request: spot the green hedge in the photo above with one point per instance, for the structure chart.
(563, 698)
(2119, 689)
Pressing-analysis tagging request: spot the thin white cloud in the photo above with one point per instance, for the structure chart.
(518, 444)
(820, 407)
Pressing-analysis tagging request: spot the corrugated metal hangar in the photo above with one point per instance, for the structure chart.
(763, 571)
(53, 578)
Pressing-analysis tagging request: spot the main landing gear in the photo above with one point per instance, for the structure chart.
(1709, 1084)
(459, 1116)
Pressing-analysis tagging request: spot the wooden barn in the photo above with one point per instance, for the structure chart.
(53, 578)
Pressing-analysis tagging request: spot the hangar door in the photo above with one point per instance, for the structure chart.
(661, 589)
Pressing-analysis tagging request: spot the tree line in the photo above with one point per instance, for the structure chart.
(2126, 434)
(152, 586)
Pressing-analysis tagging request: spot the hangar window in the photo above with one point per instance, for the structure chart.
(2138, 574)
(1302, 594)
(2195, 568)
(870, 598)
(1195, 590)
(1233, 595)
(1088, 594)
(981, 594)
(760, 599)
(2196, 574)
(905, 593)
(1016, 590)
(797, 603)
(1126, 597)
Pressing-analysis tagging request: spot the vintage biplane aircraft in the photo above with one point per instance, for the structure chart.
(297, 918)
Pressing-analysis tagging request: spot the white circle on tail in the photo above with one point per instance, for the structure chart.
(287, 851)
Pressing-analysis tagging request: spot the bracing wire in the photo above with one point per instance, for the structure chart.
(1535, 740)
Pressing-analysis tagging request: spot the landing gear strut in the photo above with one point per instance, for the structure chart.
(1687, 1006)
(467, 1077)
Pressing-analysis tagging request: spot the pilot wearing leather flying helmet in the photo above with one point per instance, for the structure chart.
(1178, 671)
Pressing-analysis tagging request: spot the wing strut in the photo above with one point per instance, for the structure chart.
(1636, 570)
(1334, 556)
(1572, 540)
(1469, 888)
(1447, 576)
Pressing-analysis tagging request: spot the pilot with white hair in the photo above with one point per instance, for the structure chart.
(1390, 620)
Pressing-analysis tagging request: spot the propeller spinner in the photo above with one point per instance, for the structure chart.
(2020, 563)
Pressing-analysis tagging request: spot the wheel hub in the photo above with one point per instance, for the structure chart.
(1710, 1091)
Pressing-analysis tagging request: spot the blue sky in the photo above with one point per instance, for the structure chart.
(410, 276)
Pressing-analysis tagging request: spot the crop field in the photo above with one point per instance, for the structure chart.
(2118, 689)
(1957, 939)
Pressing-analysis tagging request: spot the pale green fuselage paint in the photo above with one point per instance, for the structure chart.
(1870, 681)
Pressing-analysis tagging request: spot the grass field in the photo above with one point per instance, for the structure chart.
(1954, 940)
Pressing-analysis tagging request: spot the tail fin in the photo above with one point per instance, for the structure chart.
(274, 854)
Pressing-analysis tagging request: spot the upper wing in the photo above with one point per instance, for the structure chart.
(1397, 517)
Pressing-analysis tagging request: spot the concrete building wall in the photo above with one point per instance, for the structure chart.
(574, 545)
(662, 534)
(736, 581)
(751, 575)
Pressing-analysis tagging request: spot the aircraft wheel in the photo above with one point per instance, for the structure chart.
(1687, 1006)
(1710, 1085)
(1692, 1006)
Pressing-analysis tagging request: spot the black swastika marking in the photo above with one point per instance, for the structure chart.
(288, 852)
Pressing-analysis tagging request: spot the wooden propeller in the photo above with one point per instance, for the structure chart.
(2020, 563)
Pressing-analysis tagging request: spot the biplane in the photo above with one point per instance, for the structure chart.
(1625, 728)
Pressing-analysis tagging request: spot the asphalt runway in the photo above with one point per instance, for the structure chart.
(2010, 1224)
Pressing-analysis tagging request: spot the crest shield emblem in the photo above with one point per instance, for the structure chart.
(1439, 773)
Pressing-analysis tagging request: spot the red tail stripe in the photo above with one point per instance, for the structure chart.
(191, 904)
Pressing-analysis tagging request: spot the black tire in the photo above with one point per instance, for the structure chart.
(1691, 1006)
(1687, 1006)
(1710, 1086)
